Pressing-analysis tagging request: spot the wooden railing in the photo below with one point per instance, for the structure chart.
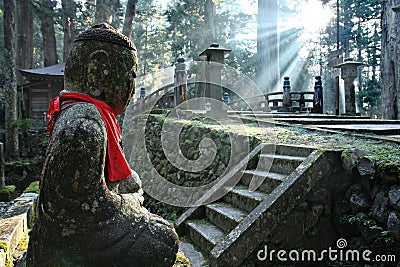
(275, 101)
(161, 98)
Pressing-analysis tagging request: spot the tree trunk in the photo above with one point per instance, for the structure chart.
(48, 32)
(25, 36)
(10, 83)
(209, 17)
(25, 46)
(69, 21)
(268, 72)
(103, 11)
(129, 17)
(390, 61)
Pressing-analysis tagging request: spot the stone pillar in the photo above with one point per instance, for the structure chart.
(318, 96)
(349, 72)
(214, 64)
(286, 94)
(180, 89)
(142, 98)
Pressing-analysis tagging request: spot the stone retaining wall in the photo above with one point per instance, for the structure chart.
(362, 207)
(190, 138)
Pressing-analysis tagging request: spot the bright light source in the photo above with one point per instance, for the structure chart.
(313, 17)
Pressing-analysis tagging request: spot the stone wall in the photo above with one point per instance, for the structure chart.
(358, 201)
(371, 205)
(191, 136)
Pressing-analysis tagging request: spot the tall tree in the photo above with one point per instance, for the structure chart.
(25, 34)
(103, 13)
(109, 11)
(69, 25)
(48, 32)
(129, 17)
(186, 28)
(209, 17)
(150, 38)
(390, 61)
(268, 72)
(10, 83)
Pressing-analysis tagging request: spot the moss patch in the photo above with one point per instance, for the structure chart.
(33, 188)
(23, 243)
(8, 189)
(4, 246)
(7, 193)
(181, 260)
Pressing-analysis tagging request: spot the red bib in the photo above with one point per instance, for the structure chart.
(117, 166)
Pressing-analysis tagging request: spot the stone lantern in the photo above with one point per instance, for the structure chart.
(349, 72)
(215, 56)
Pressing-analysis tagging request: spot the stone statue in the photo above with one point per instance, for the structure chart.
(83, 218)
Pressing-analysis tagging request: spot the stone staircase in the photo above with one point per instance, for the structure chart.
(225, 232)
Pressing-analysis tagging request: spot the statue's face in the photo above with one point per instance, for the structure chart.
(104, 71)
(122, 84)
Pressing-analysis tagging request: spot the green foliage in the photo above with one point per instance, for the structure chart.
(150, 38)
(369, 95)
(189, 32)
(23, 124)
(18, 163)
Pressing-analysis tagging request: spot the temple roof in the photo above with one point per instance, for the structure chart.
(55, 72)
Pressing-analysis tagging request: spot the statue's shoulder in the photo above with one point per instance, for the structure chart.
(80, 120)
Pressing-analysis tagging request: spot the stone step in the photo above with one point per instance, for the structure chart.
(204, 234)
(195, 257)
(224, 215)
(243, 198)
(268, 180)
(293, 150)
(279, 163)
(22, 205)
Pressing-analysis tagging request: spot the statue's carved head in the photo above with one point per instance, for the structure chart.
(102, 64)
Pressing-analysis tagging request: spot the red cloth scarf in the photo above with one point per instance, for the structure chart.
(117, 166)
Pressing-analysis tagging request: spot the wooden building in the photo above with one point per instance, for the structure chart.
(38, 88)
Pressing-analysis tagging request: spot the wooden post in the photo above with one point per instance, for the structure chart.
(2, 178)
(318, 96)
(302, 101)
(180, 88)
(142, 97)
(286, 94)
